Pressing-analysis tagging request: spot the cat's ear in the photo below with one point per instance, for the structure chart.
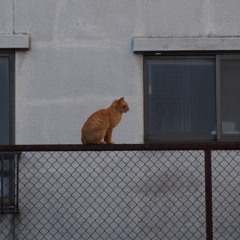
(121, 99)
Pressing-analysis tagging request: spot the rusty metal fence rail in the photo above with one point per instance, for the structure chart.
(167, 191)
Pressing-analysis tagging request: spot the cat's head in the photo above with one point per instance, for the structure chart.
(121, 105)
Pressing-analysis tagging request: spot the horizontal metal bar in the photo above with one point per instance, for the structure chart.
(122, 147)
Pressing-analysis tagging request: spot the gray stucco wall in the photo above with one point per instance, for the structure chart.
(6, 16)
(80, 61)
(81, 58)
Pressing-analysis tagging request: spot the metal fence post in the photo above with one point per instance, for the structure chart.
(208, 194)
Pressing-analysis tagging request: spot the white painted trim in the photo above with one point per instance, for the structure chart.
(15, 41)
(158, 44)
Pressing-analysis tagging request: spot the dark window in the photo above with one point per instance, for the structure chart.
(9, 182)
(6, 98)
(230, 97)
(8, 173)
(192, 98)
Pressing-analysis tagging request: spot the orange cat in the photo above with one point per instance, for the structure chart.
(101, 123)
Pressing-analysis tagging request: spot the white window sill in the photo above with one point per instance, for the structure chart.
(14, 41)
(158, 44)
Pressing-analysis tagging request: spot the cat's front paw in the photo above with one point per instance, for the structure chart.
(110, 142)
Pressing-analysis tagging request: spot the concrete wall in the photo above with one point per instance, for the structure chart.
(81, 58)
(80, 61)
(6, 16)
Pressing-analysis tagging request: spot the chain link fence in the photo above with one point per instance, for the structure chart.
(123, 194)
(226, 194)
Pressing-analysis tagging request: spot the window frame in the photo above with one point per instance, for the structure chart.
(9, 203)
(218, 56)
(10, 54)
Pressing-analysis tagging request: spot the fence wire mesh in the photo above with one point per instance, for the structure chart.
(109, 195)
(226, 194)
(123, 195)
